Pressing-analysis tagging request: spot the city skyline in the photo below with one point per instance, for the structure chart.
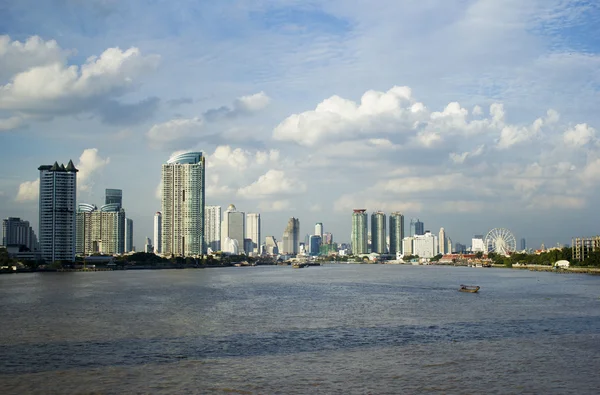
(461, 127)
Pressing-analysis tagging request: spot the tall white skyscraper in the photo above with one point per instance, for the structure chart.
(183, 205)
(157, 232)
(319, 229)
(232, 230)
(129, 235)
(212, 227)
(57, 199)
(442, 242)
(253, 231)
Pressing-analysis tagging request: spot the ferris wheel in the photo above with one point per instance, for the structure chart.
(500, 241)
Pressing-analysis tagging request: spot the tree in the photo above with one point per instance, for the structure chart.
(479, 254)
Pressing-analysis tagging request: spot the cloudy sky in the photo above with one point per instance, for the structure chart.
(467, 114)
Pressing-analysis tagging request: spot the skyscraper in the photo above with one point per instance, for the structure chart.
(416, 227)
(442, 242)
(319, 229)
(315, 245)
(291, 237)
(100, 231)
(359, 231)
(523, 244)
(378, 232)
(183, 205)
(396, 232)
(57, 199)
(212, 227)
(253, 231)
(114, 196)
(157, 232)
(18, 232)
(129, 247)
(232, 230)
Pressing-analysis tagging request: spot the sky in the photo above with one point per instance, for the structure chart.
(467, 114)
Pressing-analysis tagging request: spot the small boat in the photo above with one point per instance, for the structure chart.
(299, 265)
(469, 288)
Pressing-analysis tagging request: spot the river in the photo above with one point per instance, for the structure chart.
(339, 328)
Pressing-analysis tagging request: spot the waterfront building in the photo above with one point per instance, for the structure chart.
(129, 247)
(319, 229)
(425, 246)
(100, 231)
(315, 245)
(157, 232)
(477, 244)
(378, 232)
(253, 232)
(183, 192)
(291, 237)
(85, 238)
(271, 247)
(396, 232)
(407, 246)
(212, 227)
(57, 211)
(233, 228)
(16, 232)
(359, 231)
(442, 242)
(583, 246)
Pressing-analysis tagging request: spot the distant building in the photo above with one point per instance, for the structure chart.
(396, 232)
(460, 248)
(315, 245)
(407, 246)
(319, 229)
(100, 231)
(16, 232)
(378, 233)
(442, 242)
(253, 232)
(129, 247)
(291, 237)
(359, 232)
(183, 197)
(114, 196)
(157, 232)
(212, 227)
(425, 246)
(271, 246)
(327, 238)
(523, 244)
(233, 227)
(477, 244)
(57, 223)
(148, 248)
(416, 227)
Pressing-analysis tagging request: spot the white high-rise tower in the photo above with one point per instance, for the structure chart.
(232, 230)
(319, 229)
(57, 199)
(183, 205)
(442, 242)
(158, 232)
(253, 230)
(212, 227)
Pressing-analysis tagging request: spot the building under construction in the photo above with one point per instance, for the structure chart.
(583, 246)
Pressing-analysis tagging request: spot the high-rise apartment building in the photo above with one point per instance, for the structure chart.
(396, 232)
(425, 246)
(157, 232)
(114, 196)
(378, 232)
(233, 230)
(129, 247)
(183, 205)
(253, 231)
(291, 237)
(16, 232)
(359, 231)
(57, 223)
(212, 227)
(319, 229)
(100, 231)
(442, 242)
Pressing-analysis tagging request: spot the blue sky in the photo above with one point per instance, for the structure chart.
(468, 114)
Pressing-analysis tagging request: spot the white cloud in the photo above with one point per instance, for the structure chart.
(252, 103)
(10, 123)
(580, 135)
(16, 56)
(274, 206)
(89, 163)
(28, 190)
(160, 135)
(273, 182)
